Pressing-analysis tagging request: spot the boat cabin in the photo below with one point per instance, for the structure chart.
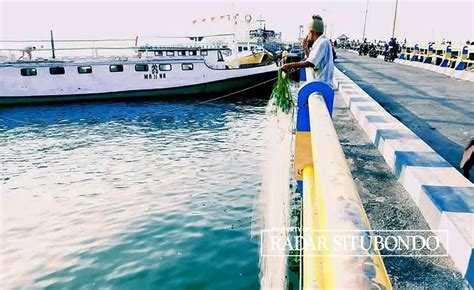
(214, 56)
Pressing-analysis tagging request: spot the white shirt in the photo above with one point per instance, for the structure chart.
(322, 58)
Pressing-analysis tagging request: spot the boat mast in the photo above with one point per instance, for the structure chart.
(52, 44)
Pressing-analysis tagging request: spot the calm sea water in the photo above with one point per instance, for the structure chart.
(145, 195)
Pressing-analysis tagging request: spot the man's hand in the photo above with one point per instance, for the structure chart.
(286, 67)
(306, 46)
(305, 42)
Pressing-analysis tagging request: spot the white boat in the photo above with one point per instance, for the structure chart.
(153, 71)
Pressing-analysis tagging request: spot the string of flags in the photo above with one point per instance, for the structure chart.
(229, 17)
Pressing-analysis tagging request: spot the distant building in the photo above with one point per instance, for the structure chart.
(342, 38)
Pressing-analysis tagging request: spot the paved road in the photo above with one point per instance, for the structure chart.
(437, 108)
(390, 207)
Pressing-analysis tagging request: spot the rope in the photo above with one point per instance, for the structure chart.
(227, 95)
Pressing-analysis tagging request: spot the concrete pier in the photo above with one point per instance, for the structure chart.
(437, 108)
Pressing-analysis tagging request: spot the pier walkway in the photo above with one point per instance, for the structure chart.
(437, 108)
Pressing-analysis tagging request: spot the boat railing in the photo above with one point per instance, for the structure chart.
(11, 49)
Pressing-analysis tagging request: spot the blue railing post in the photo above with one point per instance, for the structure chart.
(303, 128)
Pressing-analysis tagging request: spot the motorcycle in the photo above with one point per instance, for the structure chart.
(373, 53)
(390, 54)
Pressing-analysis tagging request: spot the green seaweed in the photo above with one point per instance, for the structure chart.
(281, 94)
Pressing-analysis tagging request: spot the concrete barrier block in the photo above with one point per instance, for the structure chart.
(356, 99)
(413, 178)
(440, 69)
(432, 68)
(373, 127)
(467, 76)
(360, 110)
(457, 74)
(450, 72)
(347, 87)
(430, 211)
(460, 240)
(426, 66)
(391, 146)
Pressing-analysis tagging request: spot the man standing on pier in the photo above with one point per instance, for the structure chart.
(320, 57)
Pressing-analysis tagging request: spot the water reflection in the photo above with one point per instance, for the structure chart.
(132, 195)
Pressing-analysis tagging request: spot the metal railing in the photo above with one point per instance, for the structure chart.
(331, 203)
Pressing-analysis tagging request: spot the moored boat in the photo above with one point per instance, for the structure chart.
(151, 72)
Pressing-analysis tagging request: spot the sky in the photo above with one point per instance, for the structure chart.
(417, 20)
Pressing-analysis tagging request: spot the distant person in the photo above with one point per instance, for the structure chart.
(468, 159)
(27, 52)
(284, 56)
(395, 49)
(320, 57)
(334, 56)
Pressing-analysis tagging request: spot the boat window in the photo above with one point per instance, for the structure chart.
(169, 53)
(116, 68)
(141, 67)
(219, 56)
(56, 70)
(84, 69)
(240, 48)
(246, 48)
(165, 67)
(26, 72)
(187, 66)
(203, 52)
(192, 52)
(159, 53)
(182, 53)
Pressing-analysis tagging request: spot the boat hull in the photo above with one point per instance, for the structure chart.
(259, 85)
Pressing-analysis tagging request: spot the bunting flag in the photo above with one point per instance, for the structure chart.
(229, 18)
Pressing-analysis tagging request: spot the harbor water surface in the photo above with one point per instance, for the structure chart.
(132, 195)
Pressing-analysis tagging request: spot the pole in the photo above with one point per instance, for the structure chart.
(365, 20)
(52, 44)
(395, 19)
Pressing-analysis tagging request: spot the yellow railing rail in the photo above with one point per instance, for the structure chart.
(331, 203)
